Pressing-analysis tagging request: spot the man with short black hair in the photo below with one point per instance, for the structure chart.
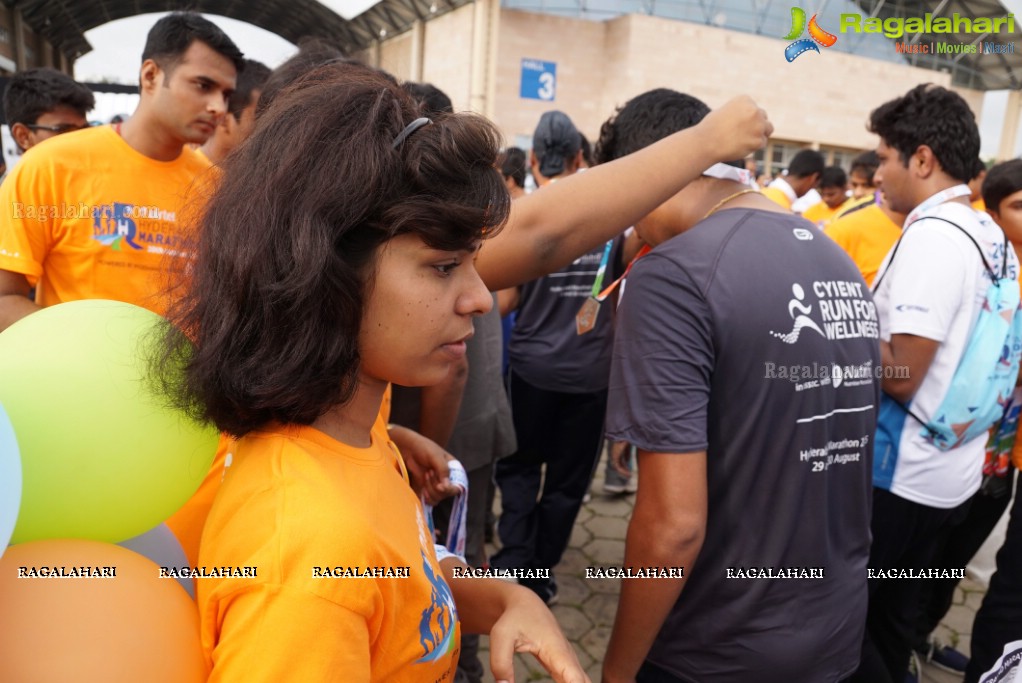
(929, 294)
(1002, 195)
(833, 189)
(241, 106)
(93, 215)
(803, 174)
(751, 406)
(41, 103)
(860, 177)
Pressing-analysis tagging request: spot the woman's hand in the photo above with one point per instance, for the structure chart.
(527, 625)
(516, 620)
(426, 463)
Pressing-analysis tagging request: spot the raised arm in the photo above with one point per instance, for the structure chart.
(550, 228)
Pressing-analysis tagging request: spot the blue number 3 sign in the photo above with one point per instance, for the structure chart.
(539, 80)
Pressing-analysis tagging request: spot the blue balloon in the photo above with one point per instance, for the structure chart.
(10, 480)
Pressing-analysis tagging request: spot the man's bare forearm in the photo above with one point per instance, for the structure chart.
(645, 603)
(551, 227)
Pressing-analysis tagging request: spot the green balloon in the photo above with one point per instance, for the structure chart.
(103, 456)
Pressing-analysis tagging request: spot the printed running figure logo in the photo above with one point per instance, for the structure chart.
(816, 35)
(802, 320)
(438, 620)
(841, 309)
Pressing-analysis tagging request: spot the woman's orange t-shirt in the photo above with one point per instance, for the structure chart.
(305, 511)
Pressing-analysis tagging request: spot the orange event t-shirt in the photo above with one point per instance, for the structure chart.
(88, 217)
(866, 235)
(777, 196)
(853, 204)
(820, 214)
(304, 510)
(188, 521)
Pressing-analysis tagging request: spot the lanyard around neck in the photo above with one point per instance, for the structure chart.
(937, 199)
(613, 285)
(602, 270)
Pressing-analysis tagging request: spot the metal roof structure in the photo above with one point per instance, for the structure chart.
(63, 23)
(772, 18)
(987, 71)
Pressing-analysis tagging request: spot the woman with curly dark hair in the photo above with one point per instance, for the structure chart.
(339, 254)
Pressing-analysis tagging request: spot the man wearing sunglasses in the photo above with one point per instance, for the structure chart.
(42, 103)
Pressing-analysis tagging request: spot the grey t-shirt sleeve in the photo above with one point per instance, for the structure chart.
(663, 361)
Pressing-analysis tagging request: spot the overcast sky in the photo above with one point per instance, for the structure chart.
(117, 47)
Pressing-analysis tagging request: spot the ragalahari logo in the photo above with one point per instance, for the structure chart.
(816, 35)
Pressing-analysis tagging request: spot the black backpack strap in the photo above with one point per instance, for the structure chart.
(993, 276)
(890, 262)
(982, 256)
(933, 432)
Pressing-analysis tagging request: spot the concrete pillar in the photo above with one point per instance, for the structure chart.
(376, 53)
(480, 57)
(418, 50)
(490, 110)
(19, 41)
(1009, 129)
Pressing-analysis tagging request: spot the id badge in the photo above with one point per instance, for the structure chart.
(585, 319)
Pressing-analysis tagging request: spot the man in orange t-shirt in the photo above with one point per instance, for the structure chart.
(833, 190)
(93, 214)
(803, 174)
(860, 183)
(866, 234)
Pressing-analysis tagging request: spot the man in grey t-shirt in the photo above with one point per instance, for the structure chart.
(743, 370)
(557, 381)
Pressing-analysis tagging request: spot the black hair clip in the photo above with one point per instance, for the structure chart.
(409, 129)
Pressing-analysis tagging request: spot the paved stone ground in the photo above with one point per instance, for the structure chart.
(585, 608)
